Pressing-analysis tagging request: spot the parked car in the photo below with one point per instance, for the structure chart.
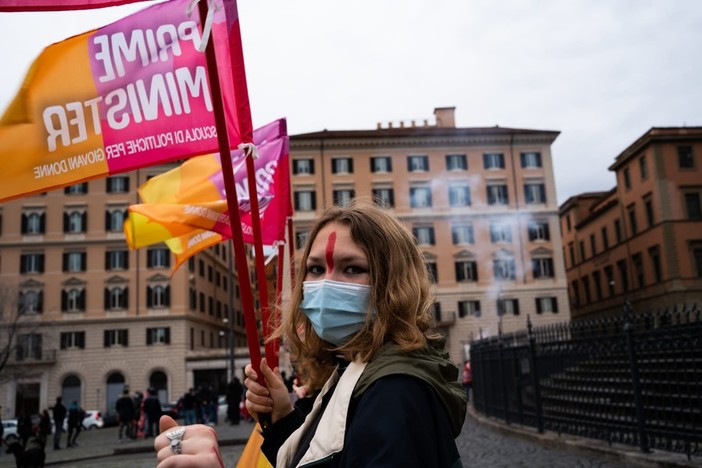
(9, 430)
(92, 420)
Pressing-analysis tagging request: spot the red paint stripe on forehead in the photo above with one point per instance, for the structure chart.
(331, 240)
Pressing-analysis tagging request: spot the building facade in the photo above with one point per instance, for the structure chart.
(641, 242)
(481, 203)
(94, 316)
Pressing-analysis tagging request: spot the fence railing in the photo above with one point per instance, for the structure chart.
(634, 379)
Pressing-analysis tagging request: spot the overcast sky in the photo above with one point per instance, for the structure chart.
(602, 72)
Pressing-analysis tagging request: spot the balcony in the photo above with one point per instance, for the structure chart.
(444, 319)
(24, 357)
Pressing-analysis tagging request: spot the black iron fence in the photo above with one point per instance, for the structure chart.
(635, 379)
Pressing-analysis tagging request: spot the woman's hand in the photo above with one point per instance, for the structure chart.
(198, 446)
(274, 398)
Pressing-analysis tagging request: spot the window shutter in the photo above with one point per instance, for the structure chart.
(65, 262)
(64, 301)
(125, 339)
(64, 340)
(149, 338)
(80, 340)
(24, 223)
(554, 304)
(167, 296)
(84, 221)
(107, 220)
(475, 271)
(459, 271)
(351, 165)
(81, 300)
(333, 168)
(83, 261)
(311, 166)
(168, 258)
(522, 158)
(107, 261)
(125, 257)
(168, 336)
(538, 306)
(314, 200)
(516, 306)
(477, 308)
(125, 294)
(23, 263)
(40, 263)
(40, 305)
(106, 339)
(107, 299)
(65, 222)
(432, 240)
(149, 297)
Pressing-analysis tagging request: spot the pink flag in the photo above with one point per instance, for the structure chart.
(55, 5)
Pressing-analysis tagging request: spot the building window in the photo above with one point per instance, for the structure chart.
(116, 298)
(116, 260)
(627, 178)
(29, 346)
(593, 245)
(456, 162)
(568, 226)
(76, 189)
(500, 232)
(210, 305)
(535, 193)
(201, 302)
(696, 248)
(586, 289)
(504, 268)
(494, 161)
(468, 309)
(75, 222)
(343, 197)
(158, 296)
(643, 167)
(117, 184)
(192, 299)
(424, 235)
(576, 293)
(605, 239)
(301, 239)
(342, 166)
(32, 263)
(201, 268)
(686, 159)
(31, 301)
(631, 211)
(542, 267)
(73, 300)
(648, 206)
(530, 160)
(432, 272)
(655, 254)
(637, 260)
(546, 304)
(497, 194)
(305, 200)
(462, 234)
(507, 307)
(380, 164)
(597, 280)
(459, 195)
(114, 219)
(618, 231)
(581, 244)
(420, 197)
(693, 206)
(74, 262)
(158, 258)
(33, 223)
(118, 337)
(609, 277)
(466, 271)
(538, 231)
(623, 275)
(158, 335)
(303, 166)
(73, 340)
(384, 197)
(571, 251)
(417, 163)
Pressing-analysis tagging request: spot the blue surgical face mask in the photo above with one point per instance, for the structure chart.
(337, 310)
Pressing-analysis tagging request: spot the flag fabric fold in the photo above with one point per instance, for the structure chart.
(128, 95)
(186, 206)
(56, 5)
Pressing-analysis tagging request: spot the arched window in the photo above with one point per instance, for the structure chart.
(71, 390)
(159, 381)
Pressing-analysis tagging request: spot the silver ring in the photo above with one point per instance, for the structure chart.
(175, 436)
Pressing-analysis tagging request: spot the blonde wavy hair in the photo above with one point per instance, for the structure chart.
(400, 292)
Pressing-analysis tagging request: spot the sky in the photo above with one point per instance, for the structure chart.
(602, 72)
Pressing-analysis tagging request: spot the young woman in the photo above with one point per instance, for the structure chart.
(359, 322)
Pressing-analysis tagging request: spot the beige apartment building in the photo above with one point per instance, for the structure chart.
(95, 316)
(640, 242)
(481, 203)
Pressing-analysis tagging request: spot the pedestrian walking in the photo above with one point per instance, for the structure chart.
(44, 427)
(467, 379)
(59, 414)
(125, 412)
(74, 421)
(234, 391)
(360, 324)
(152, 412)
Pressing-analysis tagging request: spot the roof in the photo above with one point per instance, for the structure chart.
(421, 131)
(656, 134)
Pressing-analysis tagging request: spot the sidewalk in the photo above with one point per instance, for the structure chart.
(103, 442)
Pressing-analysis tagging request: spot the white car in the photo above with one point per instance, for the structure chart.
(92, 420)
(9, 427)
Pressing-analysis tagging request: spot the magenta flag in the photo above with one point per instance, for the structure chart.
(55, 5)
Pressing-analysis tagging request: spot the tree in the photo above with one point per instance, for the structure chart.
(15, 324)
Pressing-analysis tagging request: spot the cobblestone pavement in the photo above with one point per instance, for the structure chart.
(482, 443)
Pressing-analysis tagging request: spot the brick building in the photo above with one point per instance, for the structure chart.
(481, 203)
(641, 241)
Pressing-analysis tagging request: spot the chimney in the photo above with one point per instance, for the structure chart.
(445, 117)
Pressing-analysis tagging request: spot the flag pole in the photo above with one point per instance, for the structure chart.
(232, 203)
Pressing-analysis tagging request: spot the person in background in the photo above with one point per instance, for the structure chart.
(44, 427)
(24, 427)
(152, 411)
(360, 323)
(59, 414)
(74, 421)
(467, 379)
(125, 412)
(234, 391)
(189, 402)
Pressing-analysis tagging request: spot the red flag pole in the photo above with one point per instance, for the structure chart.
(291, 248)
(233, 202)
